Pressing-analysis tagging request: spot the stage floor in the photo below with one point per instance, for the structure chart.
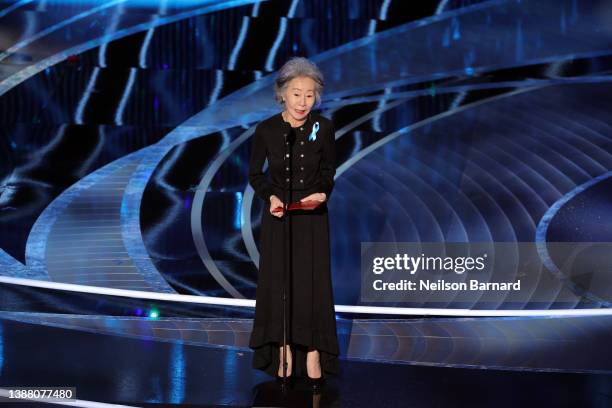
(117, 369)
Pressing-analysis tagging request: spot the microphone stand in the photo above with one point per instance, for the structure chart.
(288, 133)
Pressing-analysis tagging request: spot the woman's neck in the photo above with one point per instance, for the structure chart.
(287, 118)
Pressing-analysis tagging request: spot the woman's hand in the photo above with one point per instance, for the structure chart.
(275, 202)
(315, 197)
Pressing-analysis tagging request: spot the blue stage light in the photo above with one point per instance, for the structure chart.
(238, 211)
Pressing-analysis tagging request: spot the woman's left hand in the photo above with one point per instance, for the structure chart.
(315, 197)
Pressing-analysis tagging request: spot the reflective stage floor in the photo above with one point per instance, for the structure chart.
(146, 372)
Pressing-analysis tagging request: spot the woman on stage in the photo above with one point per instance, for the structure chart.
(309, 168)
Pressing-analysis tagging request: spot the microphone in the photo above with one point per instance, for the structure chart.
(288, 133)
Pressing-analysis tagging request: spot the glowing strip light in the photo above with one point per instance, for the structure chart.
(241, 37)
(110, 29)
(292, 8)
(142, 57)
(125, 97)
(255, 12)
(81, 106)
(372, 28)
(381, 103)
(14, 7)
(56, 27)
(384, 9)
(277, 41)
(209, 300)
(214, 95)
(441, 7)
(457, 100)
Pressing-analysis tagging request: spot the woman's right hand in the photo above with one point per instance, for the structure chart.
(275, 202)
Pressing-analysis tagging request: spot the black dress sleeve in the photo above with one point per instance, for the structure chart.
(328, 161)
(257, 178)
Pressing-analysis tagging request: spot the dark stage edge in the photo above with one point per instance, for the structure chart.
(145, 373)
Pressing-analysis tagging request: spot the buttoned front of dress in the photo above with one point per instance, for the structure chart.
(306, 157)
(309, 164)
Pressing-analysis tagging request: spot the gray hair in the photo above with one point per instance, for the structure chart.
(296, 67)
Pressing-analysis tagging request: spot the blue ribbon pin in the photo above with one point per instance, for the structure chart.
(313, 134)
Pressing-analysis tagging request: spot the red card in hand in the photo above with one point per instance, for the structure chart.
(300, 205)
(305, 205)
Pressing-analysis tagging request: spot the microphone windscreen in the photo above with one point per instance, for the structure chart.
(288, 132)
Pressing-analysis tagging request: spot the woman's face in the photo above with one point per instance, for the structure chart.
(299, 97)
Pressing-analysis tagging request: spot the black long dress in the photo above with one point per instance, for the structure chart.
(310, 302)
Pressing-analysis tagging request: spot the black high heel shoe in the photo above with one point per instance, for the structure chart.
(285, 386)
(316, 384)
(279, 379)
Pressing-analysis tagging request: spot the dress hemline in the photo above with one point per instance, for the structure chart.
(266, 351)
